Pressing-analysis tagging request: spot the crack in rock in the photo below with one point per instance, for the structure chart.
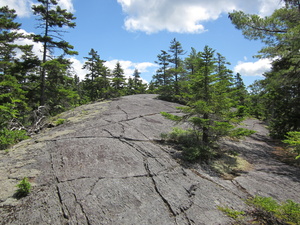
(241, 188)
(61, 203)
(82, 209)
(168, 205)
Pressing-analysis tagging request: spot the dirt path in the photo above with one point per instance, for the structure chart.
(105, 166)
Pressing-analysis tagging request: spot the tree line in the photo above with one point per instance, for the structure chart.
(32, 87)
(212, 94)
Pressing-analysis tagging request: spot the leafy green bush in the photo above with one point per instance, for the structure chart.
(188, 142)
(293, 140)
(60, 122)
(23, 188)
(11, 137)
(267, 209)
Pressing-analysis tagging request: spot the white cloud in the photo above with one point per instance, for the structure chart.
(77, 68)
(257, 68)
(37, 47)
(185, 16)
(23, 7)
(268, 6)
(66, 4)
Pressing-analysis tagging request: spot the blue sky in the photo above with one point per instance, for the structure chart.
(134, 31)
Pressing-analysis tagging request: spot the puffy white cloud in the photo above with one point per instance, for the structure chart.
(22, 7)
(185, 16)
(268, 6)
(257, 68)
(66, 4)
(37, 47)
(77, 68)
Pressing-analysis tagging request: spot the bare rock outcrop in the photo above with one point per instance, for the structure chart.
(105, 166)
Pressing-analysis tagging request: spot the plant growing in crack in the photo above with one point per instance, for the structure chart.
(60, 122)
(24, 187)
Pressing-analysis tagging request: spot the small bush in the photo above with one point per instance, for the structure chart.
(23, 188)
(188, 142)
(268, 209)
(11, 137)
(191, 153)
(60, 122)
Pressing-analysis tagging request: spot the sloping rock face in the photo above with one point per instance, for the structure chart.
(105, 166)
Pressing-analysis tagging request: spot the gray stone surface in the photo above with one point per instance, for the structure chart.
(105, 166)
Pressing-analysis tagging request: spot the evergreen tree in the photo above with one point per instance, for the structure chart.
(257, 99)
(163, 77)
(97, 81)
(206, 110)
(281, 34)
(52, 18)
(191, 61)
(118, 80)
(240, 90)
(60, 91)
(130, 90)
(175, 58)
(12, 97)
(139, 87)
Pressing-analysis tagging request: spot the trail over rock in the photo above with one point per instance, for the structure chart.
(105, 166)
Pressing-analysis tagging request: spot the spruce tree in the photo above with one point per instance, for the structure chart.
(12, 97)
(52, 20)
(97, 81)
(280, 33)
(205, 111)
(176, 52)
(163, 77)
(118, 80)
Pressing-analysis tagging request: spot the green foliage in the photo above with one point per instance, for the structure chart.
(11, 137)
(188, 142)
(59, 122)
(277, 97)
(171, 116)
(293, 140)
(234, 214)
(288, 211)
(181, 136)
(241, 132)
(23, 188)
(266, 210)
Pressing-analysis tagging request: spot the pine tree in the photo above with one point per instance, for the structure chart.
(60, 91)
(139, 87)
(175, 58)
(52, 18)
(280, 32)
(12, 97)
(163, 77)
(97, 81)
(118, 80)
(206, 111)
